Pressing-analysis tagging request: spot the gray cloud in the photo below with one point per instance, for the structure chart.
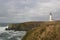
(28, 10)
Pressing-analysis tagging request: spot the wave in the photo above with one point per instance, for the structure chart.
(11, 35)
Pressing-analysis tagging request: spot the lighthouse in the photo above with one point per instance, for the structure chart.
(50, 17)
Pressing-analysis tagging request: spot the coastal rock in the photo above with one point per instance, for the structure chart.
(47, 31)
(26, 26)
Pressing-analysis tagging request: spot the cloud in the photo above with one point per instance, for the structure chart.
(28, 10)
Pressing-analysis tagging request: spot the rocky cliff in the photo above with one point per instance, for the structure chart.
(46, 31)
(24, 26)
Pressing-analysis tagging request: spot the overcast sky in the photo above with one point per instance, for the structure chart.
(28, 10)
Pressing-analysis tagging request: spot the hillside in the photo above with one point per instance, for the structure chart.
(23, 26)
(46, 31)
(26, 26)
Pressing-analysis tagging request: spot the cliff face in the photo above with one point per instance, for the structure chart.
(30, 25)
(46, 31)
(23, 26)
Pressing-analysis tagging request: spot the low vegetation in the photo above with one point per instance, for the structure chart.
(46, 31)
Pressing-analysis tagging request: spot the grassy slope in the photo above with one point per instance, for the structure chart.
(46, 31)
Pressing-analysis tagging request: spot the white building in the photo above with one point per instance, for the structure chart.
(50, 17)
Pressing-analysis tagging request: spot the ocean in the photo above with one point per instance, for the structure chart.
(10, 34)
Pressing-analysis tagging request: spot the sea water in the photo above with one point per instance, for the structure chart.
(10, 34)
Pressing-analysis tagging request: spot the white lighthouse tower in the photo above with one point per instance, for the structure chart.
(50, 17)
